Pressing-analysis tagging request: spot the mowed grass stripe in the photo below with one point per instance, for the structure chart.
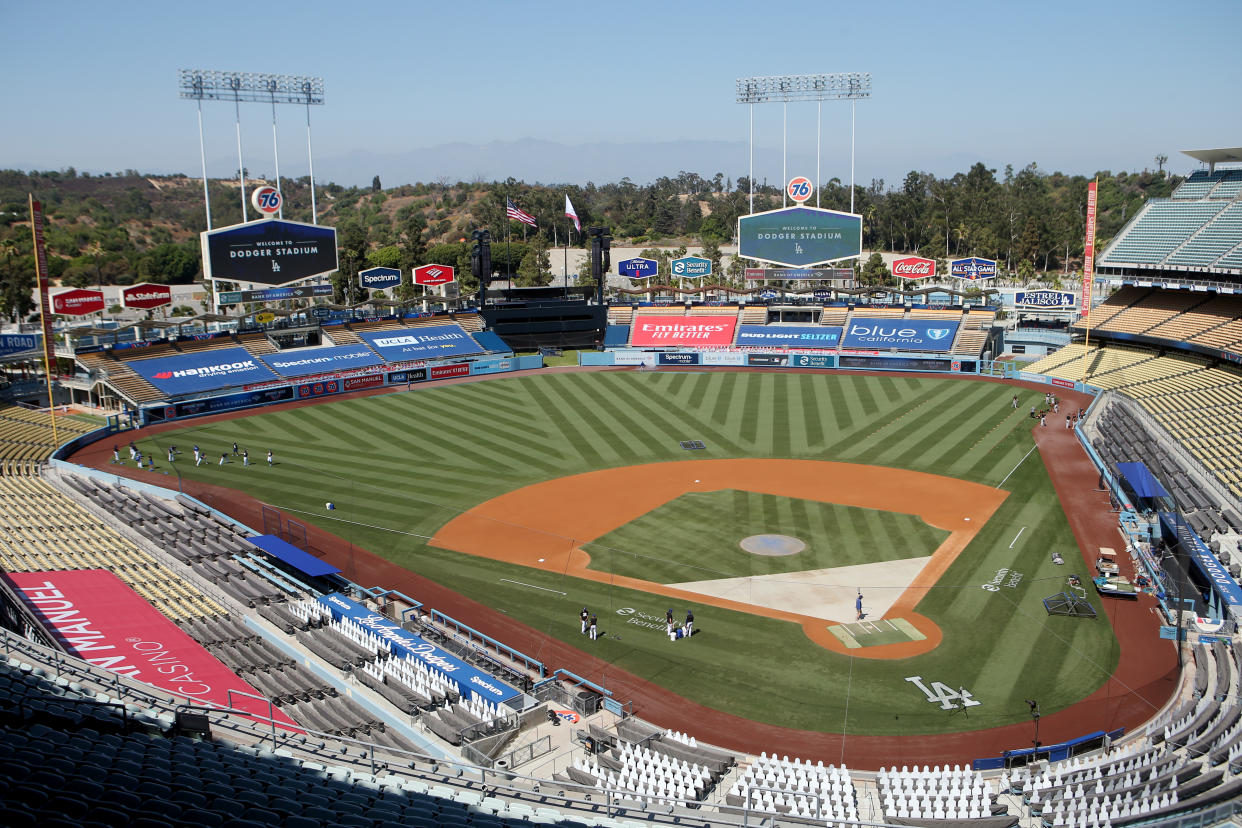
(669, 424)
(610, 438)
(464, 433)
(803, 409)
(576, 443)
(938, 434)
(631, 441)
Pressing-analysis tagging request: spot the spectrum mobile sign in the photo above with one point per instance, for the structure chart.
(973, 268)
(269, 252)
(799, 236)
(687, 330)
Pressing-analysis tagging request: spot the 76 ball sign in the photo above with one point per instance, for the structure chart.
(800, 189)
(266, 200)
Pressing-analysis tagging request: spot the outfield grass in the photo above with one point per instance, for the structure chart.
(399, 466)
(696, 537)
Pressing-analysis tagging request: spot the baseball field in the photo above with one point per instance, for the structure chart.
(539, 495)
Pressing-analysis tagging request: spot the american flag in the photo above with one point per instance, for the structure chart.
(512, 211)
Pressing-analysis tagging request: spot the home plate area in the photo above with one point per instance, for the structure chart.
(829, 594)
(875, 633)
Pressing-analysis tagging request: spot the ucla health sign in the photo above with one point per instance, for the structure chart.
(304, 361)
(780, 336)
(202, 371)
(405, 644)
(424, 342)
(903, 334)
(799, 236)
(270, 252)
(1044, 299)
(973, 268)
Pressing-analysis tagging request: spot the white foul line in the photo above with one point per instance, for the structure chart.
(1015, 468)
(1015, 537)
(532, 586)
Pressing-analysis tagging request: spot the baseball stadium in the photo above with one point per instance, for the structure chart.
(877, 557)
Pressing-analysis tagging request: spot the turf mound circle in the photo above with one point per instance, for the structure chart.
(772, 545)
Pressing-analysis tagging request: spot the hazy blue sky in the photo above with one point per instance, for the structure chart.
(1075, 86)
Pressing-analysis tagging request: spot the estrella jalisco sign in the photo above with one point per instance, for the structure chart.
(1044, 299)
(799, 236)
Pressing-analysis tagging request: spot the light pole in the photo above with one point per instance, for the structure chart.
(842, 86)
(1034, 706)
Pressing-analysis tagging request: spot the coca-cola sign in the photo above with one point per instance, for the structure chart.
(77, 302)
(146, 296)
(914, 267)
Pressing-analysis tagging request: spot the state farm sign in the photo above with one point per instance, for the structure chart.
(914, 267)
(77, 302)
(146, 296)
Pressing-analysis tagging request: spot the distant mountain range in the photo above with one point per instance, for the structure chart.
(545, 162)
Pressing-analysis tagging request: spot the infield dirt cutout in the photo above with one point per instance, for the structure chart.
(543, 526)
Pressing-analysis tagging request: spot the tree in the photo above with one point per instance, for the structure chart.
(389, 256)
(535, 269)
(353, 243)
(874, 272)
(375, 185)
(711, 251)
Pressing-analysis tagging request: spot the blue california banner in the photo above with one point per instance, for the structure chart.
(406, 644)
(787, 336)
(424, 342)
(202, 371)
(305, 361)
(903, 334)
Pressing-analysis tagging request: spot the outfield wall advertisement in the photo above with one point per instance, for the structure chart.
(425, 342)
(784, 336)
(306, 361)
(202, 371)
(902, 334)
(405, 644)
(102, 620)
(671, 331)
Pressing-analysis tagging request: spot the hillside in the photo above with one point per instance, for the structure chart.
(127, 227)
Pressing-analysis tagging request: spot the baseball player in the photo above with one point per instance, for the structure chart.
(245, 458)
(585, 617)
(269, 457)
(594, 633)
(689, 622)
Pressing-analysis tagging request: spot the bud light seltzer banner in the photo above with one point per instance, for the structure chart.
(973, 268)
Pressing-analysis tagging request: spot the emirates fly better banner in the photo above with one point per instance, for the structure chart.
(103, 621)
(682, 330)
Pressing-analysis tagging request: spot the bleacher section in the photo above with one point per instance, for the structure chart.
(1198, 227)
(26, 434)
(1207, 319)
(1201, 405)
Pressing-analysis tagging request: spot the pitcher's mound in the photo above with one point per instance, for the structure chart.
(772, 545)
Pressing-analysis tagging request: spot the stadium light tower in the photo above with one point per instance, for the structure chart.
(252, 87)
(842, 86)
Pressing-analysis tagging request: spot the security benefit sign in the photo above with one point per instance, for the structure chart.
(423, 342)
(1044, 299)
(269, 252)
(799, 236)
(973, 268)
(902, 334)
(780, 336)
(691, 267)
(669, 331)
(202, 371)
